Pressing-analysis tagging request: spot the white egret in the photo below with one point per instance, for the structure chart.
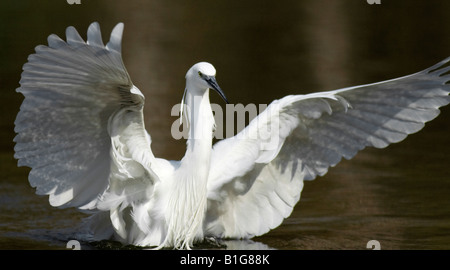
(81, 130)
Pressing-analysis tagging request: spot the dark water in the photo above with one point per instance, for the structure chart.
(262, 50)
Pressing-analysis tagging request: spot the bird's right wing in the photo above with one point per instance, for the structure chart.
(80, 127)
(256, 176)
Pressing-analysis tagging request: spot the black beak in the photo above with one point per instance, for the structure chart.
(211, 80)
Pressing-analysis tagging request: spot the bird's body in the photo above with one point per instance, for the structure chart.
(81, 130)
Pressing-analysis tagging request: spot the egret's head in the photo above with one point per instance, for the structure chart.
(202, 75)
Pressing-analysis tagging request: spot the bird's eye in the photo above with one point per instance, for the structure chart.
(200, 74)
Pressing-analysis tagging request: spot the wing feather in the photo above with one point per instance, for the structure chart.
(73, 91)
(255, 181)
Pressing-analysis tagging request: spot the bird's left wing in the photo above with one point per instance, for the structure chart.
(79, 116)
(256, 177)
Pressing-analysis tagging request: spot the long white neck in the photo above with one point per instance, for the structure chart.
(189, 198)
(201, 123)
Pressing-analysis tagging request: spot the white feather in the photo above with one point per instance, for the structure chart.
(254, 184)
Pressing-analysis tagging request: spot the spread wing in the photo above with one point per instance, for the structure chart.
(257, 176)
(76, 121)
